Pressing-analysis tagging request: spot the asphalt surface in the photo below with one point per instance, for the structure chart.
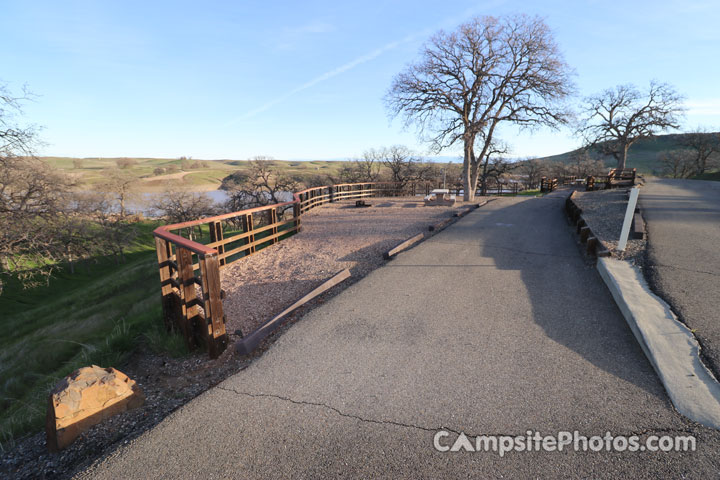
(683, 222)
(496, 325)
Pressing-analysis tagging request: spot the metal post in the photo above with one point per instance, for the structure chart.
(628, 218)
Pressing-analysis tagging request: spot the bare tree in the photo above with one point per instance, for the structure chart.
(704, 147)
(263, 185)
(31, 195)
(364, 169)
(78, 163)
(491, 165)
(179, 206)
(582, 164)
(121, 184)
(678, 163)
(91, 226)
(488, 72)
(618, 117)
(405, 167)
(533, 169)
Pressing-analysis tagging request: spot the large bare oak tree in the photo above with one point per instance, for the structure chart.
(618, 117)
(488, 72)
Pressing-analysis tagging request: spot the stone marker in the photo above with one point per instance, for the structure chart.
(85, 398)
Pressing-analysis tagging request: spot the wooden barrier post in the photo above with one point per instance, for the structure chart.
(296, 216)
(216, 235)
(188, 295)
(248, 227)
(168, 304)
(216, 337)
(273, 221)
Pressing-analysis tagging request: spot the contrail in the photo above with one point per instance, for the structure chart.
(348, 66)
(325, 76)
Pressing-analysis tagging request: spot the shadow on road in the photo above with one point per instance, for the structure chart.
(569, 300)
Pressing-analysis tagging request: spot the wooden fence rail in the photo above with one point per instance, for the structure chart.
(189, 265)
(191, 254)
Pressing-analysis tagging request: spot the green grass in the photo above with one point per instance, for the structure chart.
(210, 178)
(96, 316)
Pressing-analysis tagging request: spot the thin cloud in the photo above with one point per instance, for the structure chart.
(354, 63)
(706, 107)
(321, 78)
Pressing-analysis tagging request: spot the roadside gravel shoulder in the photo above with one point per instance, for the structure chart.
(604, 211)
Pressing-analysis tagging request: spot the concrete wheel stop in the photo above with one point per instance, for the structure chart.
(669, 344)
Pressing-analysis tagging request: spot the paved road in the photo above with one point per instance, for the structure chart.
(495, 326)
(683, 221)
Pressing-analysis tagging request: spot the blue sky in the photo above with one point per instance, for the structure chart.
(302, 80)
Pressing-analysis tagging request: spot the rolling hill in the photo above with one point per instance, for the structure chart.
(644, 154)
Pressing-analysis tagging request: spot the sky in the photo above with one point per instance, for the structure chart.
(306, 80)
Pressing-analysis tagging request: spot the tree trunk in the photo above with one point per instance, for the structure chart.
(622, 161)
(122, 205)
(475, 175)
(469, 168)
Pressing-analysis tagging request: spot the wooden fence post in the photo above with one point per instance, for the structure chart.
(273, 221)
(247, 221)
(296, 216)
(216, 235)
(169, 305)
(186, 278)
(215, 335)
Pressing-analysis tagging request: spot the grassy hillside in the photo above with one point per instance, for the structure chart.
(94, 316)
(207, 177)
(643, 155)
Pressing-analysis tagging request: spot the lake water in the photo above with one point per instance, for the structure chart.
(219, 197)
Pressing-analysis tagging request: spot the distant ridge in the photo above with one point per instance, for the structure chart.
(643, 155)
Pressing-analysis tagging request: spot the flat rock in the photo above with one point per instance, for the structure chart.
(85, 398)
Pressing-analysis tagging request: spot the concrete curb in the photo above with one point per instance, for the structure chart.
(668, 344)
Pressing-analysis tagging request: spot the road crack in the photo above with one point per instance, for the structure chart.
(336, 410)
(639, 433)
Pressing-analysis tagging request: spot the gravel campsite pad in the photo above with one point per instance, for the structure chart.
(333, 237)
(604, 211)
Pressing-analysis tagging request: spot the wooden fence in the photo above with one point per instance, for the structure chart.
(191, 254)
(614, 178)
(548, 184)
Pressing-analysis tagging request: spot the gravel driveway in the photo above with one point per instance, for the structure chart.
(333, 237)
